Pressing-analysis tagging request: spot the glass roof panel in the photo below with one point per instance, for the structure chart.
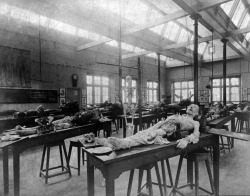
(154, 15)
(136, 11)
(4, 8)
(184, 36)
(227, 6)
(238, 12)
(245, 21)
(202, 46)
(157, 29)
(247, 36)
(171, 31)
(153, 55)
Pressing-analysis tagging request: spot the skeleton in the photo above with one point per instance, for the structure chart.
(155, 134)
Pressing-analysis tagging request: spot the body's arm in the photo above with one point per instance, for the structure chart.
(194, 137)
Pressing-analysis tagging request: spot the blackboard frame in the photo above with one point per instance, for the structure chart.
(28, 96)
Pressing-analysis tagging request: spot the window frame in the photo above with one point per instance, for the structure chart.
(230, 86)
(101, 85)
(175, 100)
(152, 89)
(134, 99)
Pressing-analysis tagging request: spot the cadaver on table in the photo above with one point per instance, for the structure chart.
(152, 135)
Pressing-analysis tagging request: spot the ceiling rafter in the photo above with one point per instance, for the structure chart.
(149, 3)
(162, 20)
(212, 24)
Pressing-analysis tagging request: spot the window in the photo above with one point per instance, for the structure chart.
(97, 89)
(152, 92)
(232, 89)
(125, 92)
(183, 90)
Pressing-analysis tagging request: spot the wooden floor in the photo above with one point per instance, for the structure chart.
(234, 175)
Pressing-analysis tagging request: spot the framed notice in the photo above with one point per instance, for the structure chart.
(84, 100)
(84, 93)
(244, 91)
(62, 100)
(62, 92)
(244, 97)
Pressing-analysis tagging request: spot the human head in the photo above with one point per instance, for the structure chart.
(193, 110)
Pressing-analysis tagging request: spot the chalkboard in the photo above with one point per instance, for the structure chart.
(28, 96)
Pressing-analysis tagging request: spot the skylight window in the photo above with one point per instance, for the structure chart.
(154, 15)
(152, 55)
(247, 36)
(245, 21)
(171, 31)
(163, 58)
(227, 7)
(238, 12)
(4, 8)
(136, 11)
(184, 36)
(113, 43)
(201, 47)
(157, 29)
(138, 50)
(127, 47)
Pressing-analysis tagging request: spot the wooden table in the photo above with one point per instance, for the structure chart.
(218, 123)
(17, 147)
(114, 164)
(148, 118)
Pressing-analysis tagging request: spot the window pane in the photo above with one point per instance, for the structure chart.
(150, 85)
(227, 94)
(89, 79)
(123, 96)
(155, 84)
(133, 83)
(89, 95)
(155, 96)
(238, 12)
(184, 94)
(235, 94)
(177, 94)
(105, 92)
(216, 94)
(134, 96)
(177, 84)
(150, 95)
(97, 95)
(191, 84)
(227, 81)
(97, 80)
(216, 82)
(105, 81)
(123, 82)
(235, 81)
(191, 93)
(184, 84)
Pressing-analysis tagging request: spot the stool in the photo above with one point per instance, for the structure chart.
(149, 183)
(47, 147)
(194, 157)
(79, 145)
(242, 119)
(227, 145)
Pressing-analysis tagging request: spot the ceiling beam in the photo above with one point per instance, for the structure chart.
(212, 22)
(162, 20)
